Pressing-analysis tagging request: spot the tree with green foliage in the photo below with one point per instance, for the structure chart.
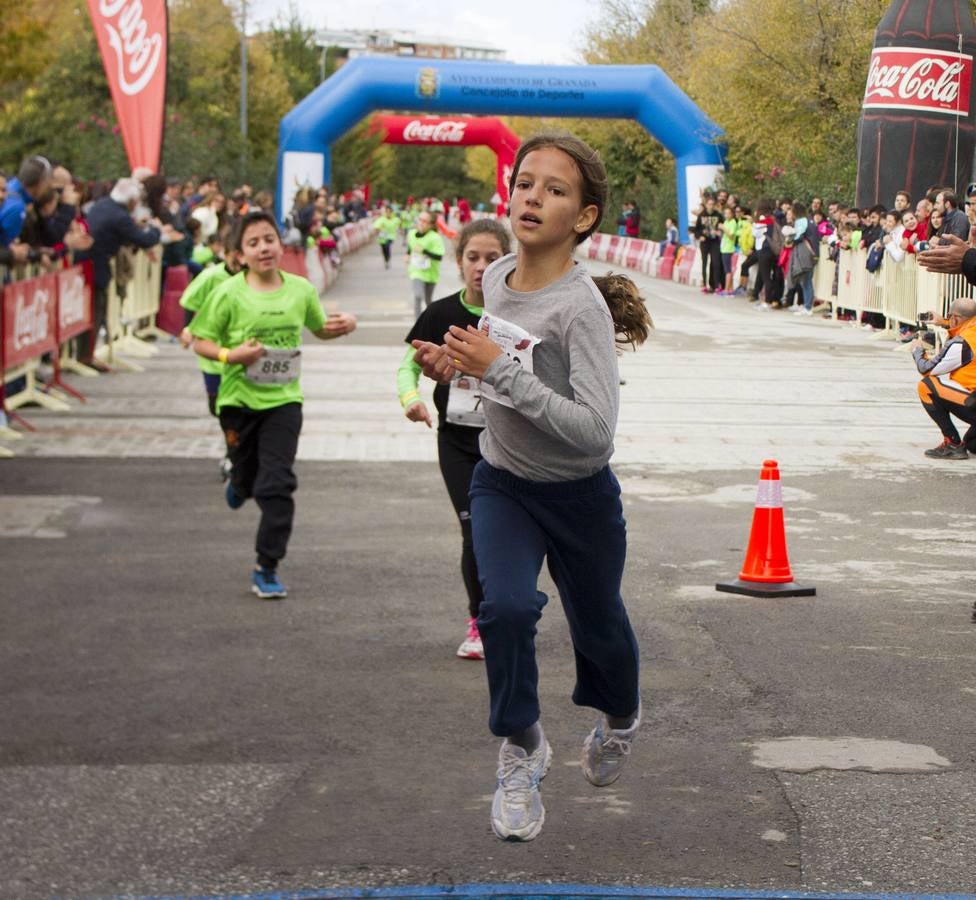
(295, 54)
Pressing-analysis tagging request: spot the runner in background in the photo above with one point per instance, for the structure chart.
(386, 226)
(253, 326)
(460, 419)
(425, 250)
(194, 299)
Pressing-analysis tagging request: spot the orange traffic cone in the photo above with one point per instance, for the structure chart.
(766, 570)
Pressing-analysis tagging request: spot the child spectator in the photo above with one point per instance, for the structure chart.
(730, 231)
(894, 232)
(670, 235)
(632, 228)
(746, 241)
(708, 233)
(913, 233)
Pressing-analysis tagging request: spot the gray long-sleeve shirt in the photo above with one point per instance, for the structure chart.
(565, 412)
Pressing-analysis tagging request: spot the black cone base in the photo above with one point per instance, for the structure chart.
(759, 589)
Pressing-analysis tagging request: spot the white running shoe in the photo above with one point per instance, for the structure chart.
(605, 751)
(471, 647)
(517, 812)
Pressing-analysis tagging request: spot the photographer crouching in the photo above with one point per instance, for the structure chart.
(948, 387)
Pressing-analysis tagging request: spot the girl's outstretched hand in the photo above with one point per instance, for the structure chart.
(336, 325)
(433, 361)
(471, 350)
(417, 412)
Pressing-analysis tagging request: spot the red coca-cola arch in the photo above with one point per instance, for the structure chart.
(459, 131)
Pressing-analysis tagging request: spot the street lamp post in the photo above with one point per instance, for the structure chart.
(243, 125)
(324, 62)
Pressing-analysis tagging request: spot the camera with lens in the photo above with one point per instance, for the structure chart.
(926, 316)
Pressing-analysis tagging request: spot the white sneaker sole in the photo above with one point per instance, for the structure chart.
(531, 831)
(467, 652)
(269, 595)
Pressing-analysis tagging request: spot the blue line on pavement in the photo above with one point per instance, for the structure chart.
(550, 892)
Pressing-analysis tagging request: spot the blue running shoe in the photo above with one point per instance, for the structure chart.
(234, 500)
(265, 583)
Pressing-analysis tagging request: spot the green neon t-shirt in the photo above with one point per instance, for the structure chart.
(422, 267)
(386, 228)
(202, 255)
(730, 229)
(237, 313)
(195, 297)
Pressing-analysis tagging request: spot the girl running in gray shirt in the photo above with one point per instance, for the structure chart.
(545, 351)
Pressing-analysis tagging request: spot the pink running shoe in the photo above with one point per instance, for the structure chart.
(471, 647)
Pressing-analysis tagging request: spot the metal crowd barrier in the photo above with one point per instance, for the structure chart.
(898, 290)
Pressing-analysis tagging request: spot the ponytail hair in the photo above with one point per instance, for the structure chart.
(631, 320)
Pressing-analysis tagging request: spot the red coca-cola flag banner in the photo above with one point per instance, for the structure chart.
(132, 37)
(74, 303)
(920, 79)
(29, 319)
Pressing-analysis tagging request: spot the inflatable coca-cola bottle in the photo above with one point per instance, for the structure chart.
(916, 128)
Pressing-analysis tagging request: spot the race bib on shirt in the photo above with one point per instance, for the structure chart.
(516, 343)
(464, 402)
(279, 365)
(419, 261)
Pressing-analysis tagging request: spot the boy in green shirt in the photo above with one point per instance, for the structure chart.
(253, 326)
(425, 250)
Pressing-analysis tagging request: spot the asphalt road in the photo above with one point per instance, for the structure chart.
(164, 732)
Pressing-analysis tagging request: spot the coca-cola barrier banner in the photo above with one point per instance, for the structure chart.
(30, 319)
(132, 38)
(75, 313)
(40, 314)
(459, 131)
(920, 79)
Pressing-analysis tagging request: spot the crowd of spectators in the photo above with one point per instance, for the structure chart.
(782, 240)
(49, 219)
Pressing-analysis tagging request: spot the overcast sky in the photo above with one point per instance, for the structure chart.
(537, 31)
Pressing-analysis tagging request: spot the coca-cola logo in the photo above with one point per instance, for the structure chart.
(31, 320)
(444, 132)
(919, 79)
(72, 306)
(137, 52)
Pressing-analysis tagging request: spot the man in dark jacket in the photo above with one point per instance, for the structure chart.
(954, 220)
(111, 225)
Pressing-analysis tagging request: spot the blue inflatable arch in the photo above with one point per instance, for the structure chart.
(364, 84)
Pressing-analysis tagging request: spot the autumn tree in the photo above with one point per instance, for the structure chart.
(788, 95)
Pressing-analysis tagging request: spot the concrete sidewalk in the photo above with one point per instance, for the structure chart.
(161, 731)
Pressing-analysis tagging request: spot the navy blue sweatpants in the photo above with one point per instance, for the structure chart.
(578, 526)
